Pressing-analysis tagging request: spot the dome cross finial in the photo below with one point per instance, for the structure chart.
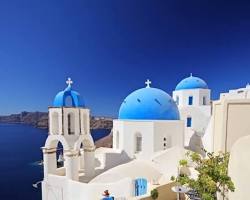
(191, 74)
(148, 83)
(69, 82)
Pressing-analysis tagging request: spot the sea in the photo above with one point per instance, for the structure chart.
(20, 154)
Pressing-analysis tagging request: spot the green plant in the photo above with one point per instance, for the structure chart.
(212, 175)
(154, 194)
(183, 163)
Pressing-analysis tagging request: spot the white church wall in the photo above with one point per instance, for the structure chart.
(168, 132)
(199, 111)
(200, 116)
(118, 132)
(197, 95)
(128, 130)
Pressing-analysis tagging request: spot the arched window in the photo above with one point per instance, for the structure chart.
(55, 123)
(71, 124)
(117, 140)
(138, 143)
(204, 101)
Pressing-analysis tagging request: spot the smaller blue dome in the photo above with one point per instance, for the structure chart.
(191, 82)
(60, 98)
(149, 104)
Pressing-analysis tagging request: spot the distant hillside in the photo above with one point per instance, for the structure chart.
(40, 120)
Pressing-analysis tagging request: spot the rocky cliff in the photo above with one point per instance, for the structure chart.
(40, 120)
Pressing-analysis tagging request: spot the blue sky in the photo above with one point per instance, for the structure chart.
(109, 48)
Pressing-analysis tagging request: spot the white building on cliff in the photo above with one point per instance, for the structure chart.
(149, 138)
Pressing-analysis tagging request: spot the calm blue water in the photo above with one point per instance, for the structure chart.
(19, 150)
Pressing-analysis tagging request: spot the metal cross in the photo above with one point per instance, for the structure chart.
(148, 82)
(69, 82)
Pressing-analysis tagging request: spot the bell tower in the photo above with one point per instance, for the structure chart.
(69, 143)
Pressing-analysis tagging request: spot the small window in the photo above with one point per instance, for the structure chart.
(204, 101)
(164, 139)
(190, 100)
(138, 143)
(71, 121)
(189, 122)
(177, 100)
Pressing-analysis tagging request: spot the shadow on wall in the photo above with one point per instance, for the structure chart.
(195, 144)
(113, 160)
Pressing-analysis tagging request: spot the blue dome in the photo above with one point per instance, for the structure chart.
(149, 104)
(60, 99)
(191, 82)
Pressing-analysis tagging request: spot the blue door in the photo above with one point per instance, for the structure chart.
(140, 186)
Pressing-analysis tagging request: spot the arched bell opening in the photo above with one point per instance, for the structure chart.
(60, 155)
(53, 156)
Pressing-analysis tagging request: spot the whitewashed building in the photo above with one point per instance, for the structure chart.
(148, 135)
(192, 96)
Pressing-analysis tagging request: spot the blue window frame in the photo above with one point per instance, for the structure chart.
(190, 100)
(189, 122)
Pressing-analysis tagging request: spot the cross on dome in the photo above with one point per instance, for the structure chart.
(191, 74)
(69, 82)
(148, 82)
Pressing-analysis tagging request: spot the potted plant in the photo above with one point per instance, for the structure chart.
(154, 194)
(212, 175)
